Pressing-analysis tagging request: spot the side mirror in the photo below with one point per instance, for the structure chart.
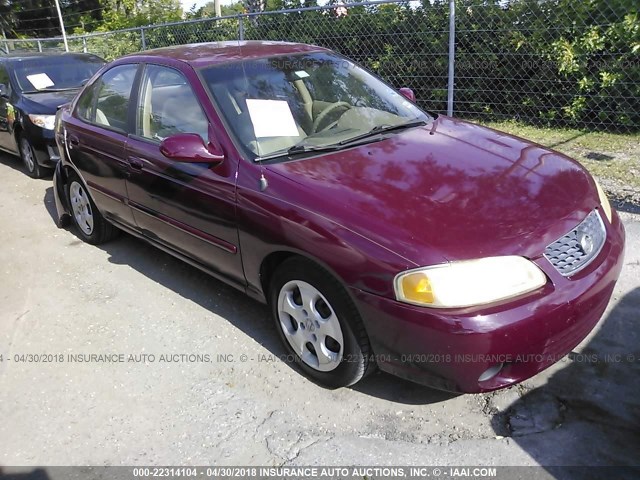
(4, 91)
(189, 147)
(408, 93)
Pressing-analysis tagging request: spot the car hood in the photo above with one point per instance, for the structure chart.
(448, 191)
(47, 102)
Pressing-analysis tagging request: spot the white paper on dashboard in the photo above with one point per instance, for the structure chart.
(40, 81)
(272, 118)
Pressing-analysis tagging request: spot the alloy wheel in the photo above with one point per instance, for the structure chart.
(310, 325)
(28, 156)
(81, 207)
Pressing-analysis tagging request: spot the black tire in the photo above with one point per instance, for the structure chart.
(100, 230)
(355, 358)
(29, 159)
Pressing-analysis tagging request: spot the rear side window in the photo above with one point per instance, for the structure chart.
(106, 102)
(86, 109)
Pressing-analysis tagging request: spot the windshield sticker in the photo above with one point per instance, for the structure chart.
(272, 118)
(302, 74)
(40, 81)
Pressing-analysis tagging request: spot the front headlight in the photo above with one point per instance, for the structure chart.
(44, 121)
(469, 282)
(604, 201)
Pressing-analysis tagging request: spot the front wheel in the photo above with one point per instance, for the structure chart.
(319, 324)
(29, 159)
(91, 225)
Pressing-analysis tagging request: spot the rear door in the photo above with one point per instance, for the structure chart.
(189, 207)
(96, 137)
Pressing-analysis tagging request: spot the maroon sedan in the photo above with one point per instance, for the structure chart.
(379, 235)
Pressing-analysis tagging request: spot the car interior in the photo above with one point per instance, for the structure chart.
(326, 104)
(232, 97)
(316, 116)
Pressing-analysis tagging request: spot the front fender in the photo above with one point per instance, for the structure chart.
(59, 192)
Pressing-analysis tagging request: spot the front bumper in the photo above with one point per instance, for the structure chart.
(451, 350)
(44, 145)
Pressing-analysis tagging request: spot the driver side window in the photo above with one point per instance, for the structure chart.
(168, 106)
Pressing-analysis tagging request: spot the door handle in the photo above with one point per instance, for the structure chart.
(136, 163)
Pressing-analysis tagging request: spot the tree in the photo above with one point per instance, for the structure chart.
(119, 14)
(38, 18)
(208, 10)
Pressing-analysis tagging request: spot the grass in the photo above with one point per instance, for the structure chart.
(612, 158)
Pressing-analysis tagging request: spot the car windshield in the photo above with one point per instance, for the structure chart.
(312, 100)
(56, 72)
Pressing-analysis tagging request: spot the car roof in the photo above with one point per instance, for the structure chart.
(16, 57)
(207, 54)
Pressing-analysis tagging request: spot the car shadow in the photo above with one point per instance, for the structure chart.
(11, 161)
(246, 314)
(588, 413)
(624, 204)
(566, 140)
(15, 163)
(192, 284)
(50, 204)
(394, 389)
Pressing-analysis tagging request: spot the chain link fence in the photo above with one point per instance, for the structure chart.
(560, 63)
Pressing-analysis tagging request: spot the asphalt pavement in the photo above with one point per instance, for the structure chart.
(188, 371)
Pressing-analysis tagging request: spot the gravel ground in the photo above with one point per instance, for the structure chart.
(60, 296)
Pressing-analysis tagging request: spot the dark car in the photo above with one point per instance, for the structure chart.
(32, 87)
(379, 234)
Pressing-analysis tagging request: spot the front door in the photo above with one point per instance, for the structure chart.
(189, 207)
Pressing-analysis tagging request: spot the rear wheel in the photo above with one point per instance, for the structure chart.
(29, 159)
(91, 225)
(319, 324)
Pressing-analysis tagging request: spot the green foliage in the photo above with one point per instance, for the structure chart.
(120, 14)
(208, 10)
(598, 63)
(39, 18)
(551, 62)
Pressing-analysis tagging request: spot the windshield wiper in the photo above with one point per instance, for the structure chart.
(301, 148)
(383, 129)
(44, 90)
(296, 150)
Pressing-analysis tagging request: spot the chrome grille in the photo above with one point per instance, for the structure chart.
(575, 250)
